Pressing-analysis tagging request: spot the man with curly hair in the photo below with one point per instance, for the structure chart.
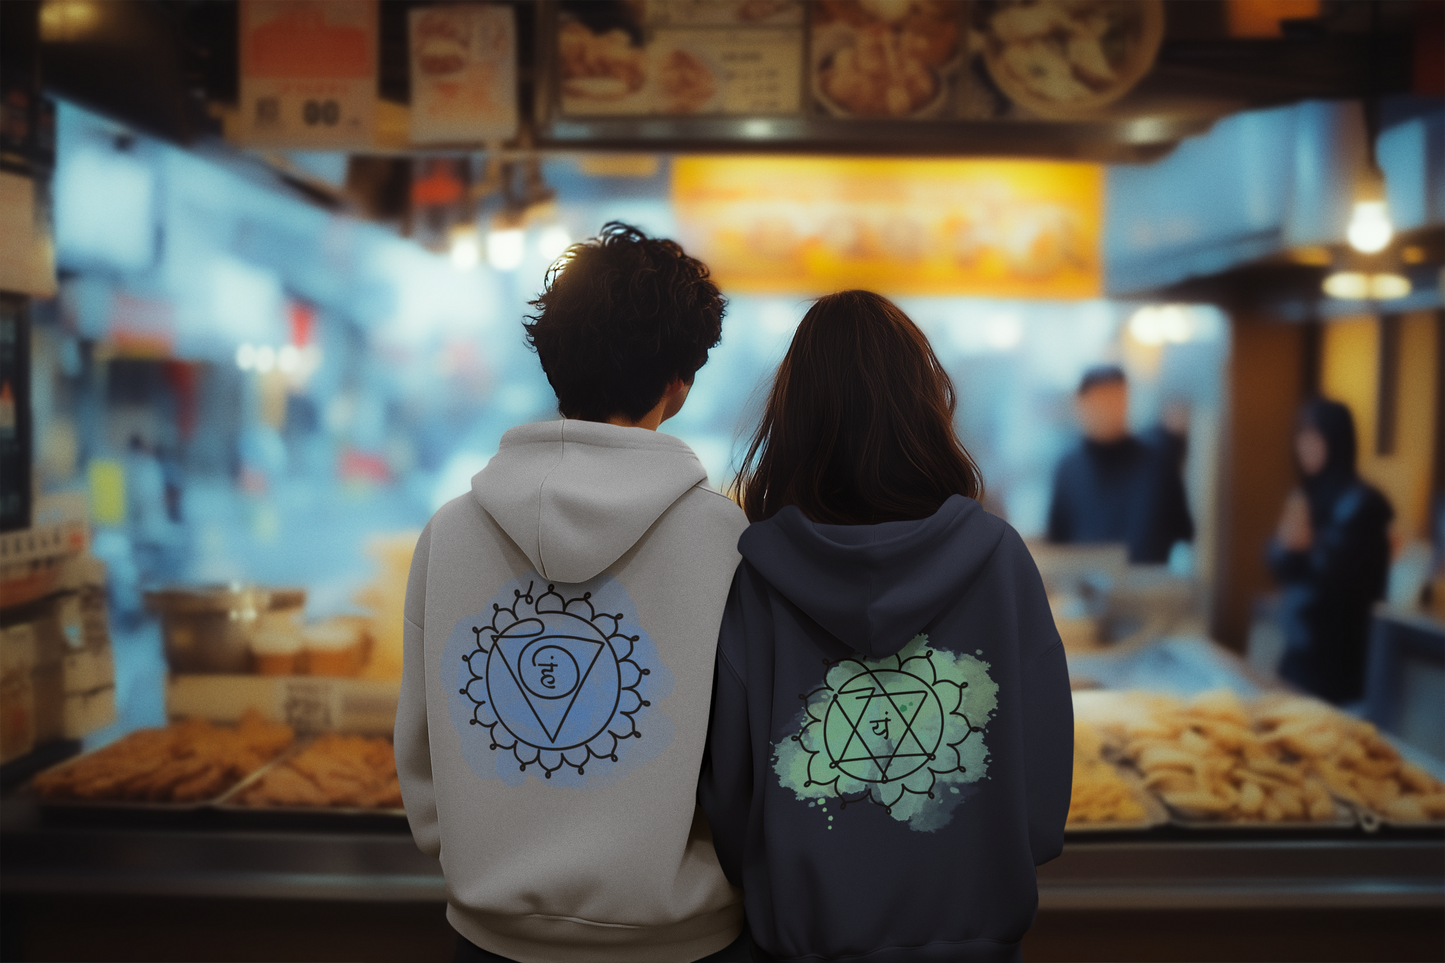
(561, 628)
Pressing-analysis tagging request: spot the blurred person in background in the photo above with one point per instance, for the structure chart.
(1171, 435)
(1115, 487)
(887, 657)
(1331, 552)
(158, 540)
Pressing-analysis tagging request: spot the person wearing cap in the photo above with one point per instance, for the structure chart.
(1115, 487)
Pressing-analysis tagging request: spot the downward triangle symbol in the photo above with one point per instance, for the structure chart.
(551, 714)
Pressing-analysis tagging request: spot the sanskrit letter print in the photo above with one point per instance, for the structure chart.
(559, 681)
(905, 733)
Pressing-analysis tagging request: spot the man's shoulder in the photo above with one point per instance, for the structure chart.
(703, 516)
(702, 504)
(461, 518)
(458, 509)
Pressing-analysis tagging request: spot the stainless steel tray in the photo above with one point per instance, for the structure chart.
(1345, 818)
(123, 805)
(229, 802)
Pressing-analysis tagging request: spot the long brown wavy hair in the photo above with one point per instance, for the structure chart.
(858, 427)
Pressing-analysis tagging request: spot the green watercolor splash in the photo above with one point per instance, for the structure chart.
(896, 732)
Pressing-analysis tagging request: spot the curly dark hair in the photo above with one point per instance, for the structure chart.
(620, 317)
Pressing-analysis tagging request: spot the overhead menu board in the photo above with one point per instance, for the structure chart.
(308, 73)
(463, 73)
(680, 58)
(820, 68)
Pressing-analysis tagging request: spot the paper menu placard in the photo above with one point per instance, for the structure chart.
(747, 71)
(463, 73)
(308, 73)
(682, 58)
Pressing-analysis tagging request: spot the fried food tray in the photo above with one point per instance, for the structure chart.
(72, 805)
(1372, 819)
(230, 804)
(1344, 817)
(1154, 812)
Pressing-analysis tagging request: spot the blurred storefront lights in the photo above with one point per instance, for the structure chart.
(1359, 286)
(1005, 331)
(553, 241)
(1386, 286)
(466, 248)
(1160, 323)
(1370, 230)
(506, 247)
(65, 20)
(296, 362)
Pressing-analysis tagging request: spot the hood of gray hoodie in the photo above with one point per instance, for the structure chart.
(576, 495)
(873, 586)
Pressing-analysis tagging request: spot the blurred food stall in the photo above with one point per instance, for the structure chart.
(262, 271)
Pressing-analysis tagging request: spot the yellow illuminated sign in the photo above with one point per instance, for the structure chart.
(1001, 228)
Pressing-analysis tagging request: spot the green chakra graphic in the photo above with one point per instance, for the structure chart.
(897, 732)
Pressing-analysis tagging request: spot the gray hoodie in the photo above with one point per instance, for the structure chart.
(561, 629)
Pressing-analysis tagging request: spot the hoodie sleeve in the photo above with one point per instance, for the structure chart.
(725, 787)
(1048, 717)
(1049, 736)
(413, 745)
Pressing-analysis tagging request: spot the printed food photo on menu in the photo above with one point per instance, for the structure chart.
(1058, 59)
(680, 58)
(885, 58)
(602, 64)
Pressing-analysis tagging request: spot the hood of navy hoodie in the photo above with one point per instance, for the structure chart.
(884, 580)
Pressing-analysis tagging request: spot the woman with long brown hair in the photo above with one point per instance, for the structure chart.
(891, 742)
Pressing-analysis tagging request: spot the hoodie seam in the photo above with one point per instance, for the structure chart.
(542, 486)
(704, 486)
(1058, 644)
(722, 657)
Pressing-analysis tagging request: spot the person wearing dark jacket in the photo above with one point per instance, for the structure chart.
(1332, 555)
(890, 752)
(1116, 487)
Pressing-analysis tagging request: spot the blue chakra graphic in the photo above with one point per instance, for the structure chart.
(559, 681)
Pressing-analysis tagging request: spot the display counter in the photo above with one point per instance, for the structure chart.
(1351, 889)
(1164, 869)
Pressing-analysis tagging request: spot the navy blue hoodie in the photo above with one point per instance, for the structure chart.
(892, 737)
